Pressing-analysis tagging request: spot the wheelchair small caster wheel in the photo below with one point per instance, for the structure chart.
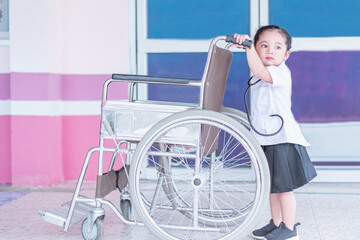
(125, 206)
(95, 232)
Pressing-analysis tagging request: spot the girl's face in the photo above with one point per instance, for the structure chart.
(271, 48)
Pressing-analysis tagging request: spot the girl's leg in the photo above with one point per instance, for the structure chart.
(288, 208)
(275, 208)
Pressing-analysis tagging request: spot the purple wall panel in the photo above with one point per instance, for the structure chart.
(4, 86)
(51, 86)
(326, 86)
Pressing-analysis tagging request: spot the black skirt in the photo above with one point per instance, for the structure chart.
(290, 166)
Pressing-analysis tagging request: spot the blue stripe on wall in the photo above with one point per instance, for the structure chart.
(321, 18)
(326, 86)
(200, 19)
(237, 82)
(191, 65)
(181, 65)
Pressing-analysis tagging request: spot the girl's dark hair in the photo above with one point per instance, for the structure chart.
(273, 27)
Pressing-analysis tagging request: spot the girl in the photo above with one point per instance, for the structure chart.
(289, 163)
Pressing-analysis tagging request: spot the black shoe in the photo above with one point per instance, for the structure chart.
(283, 233)
(265, 230)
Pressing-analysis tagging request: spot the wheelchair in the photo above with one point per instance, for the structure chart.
(190, 171)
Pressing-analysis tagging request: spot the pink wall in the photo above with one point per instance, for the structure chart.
(52, 149)
(5, 150)
(80, 133)
(48, 149)
(51, 85)
(36, 157)
(5, 130)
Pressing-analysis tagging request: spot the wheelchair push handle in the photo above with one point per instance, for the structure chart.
(231, 39)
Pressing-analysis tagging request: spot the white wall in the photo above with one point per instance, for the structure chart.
(69, 36)
(97, 36)
(4, 59)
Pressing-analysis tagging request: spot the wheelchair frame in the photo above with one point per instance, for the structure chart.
(161, 133)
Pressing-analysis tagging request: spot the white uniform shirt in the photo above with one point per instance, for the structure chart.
(267, 99)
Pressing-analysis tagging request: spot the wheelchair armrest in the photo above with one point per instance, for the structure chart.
(152, 79)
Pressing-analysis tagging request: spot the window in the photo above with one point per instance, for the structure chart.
(175, 40)
(308, 18)
(200, 19)
(4, 19)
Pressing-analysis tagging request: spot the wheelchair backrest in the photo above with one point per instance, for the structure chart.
(215, 74)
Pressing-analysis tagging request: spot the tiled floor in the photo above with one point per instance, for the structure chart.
(326, 212)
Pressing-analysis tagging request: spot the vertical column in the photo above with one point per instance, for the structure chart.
(35, 54)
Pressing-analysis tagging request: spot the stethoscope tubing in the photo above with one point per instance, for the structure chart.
(248, 117)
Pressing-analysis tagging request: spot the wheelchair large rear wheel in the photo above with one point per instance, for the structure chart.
(217, 191)
(236, 114)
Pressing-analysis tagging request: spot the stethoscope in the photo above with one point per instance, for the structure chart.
(247, 112)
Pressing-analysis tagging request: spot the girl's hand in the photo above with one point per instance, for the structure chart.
(240, 39)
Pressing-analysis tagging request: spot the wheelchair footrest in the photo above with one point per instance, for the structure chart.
(58, 216)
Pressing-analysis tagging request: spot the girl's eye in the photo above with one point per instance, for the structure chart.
(263, 45)
(277, 47)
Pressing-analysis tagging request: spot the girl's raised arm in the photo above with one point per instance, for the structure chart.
(255, 64)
